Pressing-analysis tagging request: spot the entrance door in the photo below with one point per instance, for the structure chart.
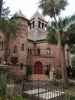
(38, 68)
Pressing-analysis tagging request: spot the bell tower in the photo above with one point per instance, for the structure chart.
(38, 27)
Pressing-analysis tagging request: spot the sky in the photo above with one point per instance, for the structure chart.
(29, 7)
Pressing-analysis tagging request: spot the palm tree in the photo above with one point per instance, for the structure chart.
(53, 9)
(67, 30)
(66, 27)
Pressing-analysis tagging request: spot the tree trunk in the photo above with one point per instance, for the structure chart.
(63, 67)
(61, 55)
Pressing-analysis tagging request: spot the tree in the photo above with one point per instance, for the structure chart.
(73, 49)
(4, 11)
(53, 9)
(7, 26)
(73, 61)
(3, 82)
(67, 30)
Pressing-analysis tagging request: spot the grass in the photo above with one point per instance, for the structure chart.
(19, 98)
(72, 98)
(14, 98)
(70, 90)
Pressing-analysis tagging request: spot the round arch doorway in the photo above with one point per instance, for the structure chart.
(38, 68)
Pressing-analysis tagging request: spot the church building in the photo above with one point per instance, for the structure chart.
(30, 49)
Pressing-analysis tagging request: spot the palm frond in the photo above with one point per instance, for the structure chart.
(52, 7)
(66, 28)
(52, 37)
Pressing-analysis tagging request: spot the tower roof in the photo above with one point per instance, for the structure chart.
(19, 14)
(37, 14)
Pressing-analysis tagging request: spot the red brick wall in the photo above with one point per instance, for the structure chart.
(21, 38)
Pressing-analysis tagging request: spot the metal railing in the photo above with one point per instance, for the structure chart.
(43, 90)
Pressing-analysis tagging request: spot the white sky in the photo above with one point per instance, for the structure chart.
(29, 7)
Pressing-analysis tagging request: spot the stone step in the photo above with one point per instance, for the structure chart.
(39, 77)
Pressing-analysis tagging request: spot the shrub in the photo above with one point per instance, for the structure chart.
(57, 74)
(28, 70)
(17, 98)
(72, 98)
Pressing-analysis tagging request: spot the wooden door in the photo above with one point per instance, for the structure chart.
(38, 68)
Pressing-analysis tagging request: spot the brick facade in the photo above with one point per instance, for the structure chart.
(30, 46)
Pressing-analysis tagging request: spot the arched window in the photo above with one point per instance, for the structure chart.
(38, 51)
(15, 49)
(33, 24)
(30, 25)
(39, 24)
(29, 51)
(45, 27)
(21, 66)
(42, 25)
(22, 46)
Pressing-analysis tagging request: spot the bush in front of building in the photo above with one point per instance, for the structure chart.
(72, 97)
(28, 71)
(57, 74)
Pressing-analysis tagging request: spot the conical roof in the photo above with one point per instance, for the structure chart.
(21, 15)
(37, 14)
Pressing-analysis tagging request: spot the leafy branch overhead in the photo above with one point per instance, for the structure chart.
(52, 7)
(8, 26)
(66, 27)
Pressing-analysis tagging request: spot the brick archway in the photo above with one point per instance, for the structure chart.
(38, 68)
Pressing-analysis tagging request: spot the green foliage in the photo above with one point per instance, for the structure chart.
(13, 98)
(18, 98)
(73, 49)
(8, 26)
(51, 36)
(66, 27)
(72, 97)
(3, 83)
(2, 98)
(4, 11)
(73, 61)
(28, 71)
(71, 34)
(52, 7)
(58, 74)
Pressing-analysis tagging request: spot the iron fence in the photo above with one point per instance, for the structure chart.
(43, 90)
